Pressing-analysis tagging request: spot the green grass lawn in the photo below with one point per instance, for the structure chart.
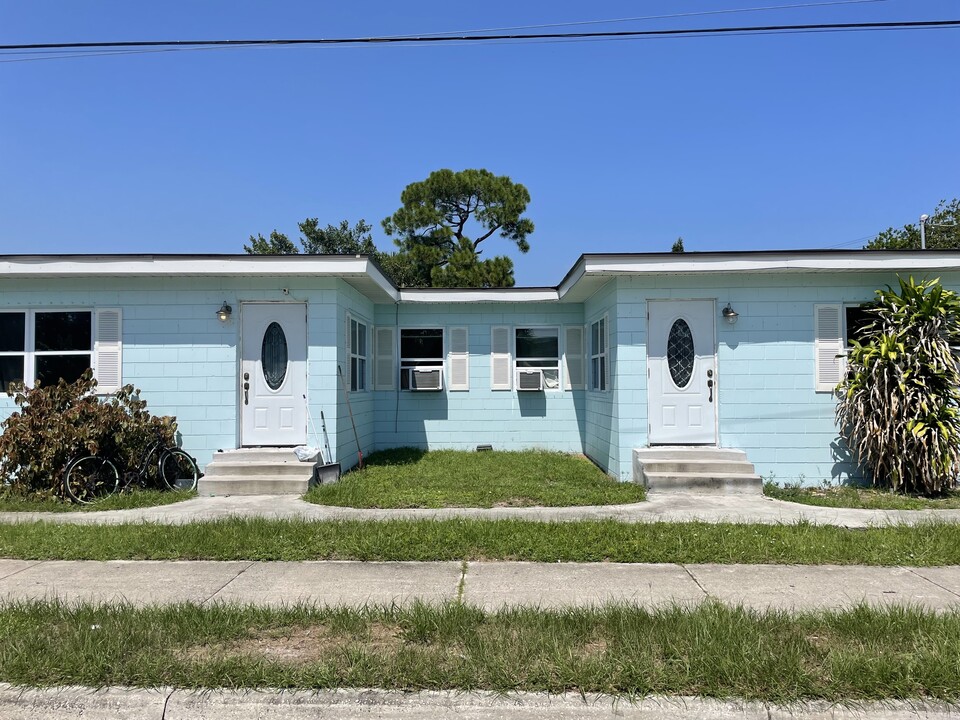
(11, 502)
(471, 539)
(712, 650)
(412, 478)
(856, 497)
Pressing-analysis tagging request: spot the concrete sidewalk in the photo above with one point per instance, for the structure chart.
(489, 585)
(673, 507)
(166, 704)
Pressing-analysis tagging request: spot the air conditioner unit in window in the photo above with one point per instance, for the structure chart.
(529, 379)
(426, 378)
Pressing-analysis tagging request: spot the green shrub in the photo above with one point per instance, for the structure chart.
(56, 423)
(899, 408)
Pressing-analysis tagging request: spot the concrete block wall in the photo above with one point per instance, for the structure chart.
(180, 355)
(352, 303)
(601, 439)
(768, 406)
(508, 420)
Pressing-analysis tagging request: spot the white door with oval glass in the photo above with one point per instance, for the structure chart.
(273, 374)
(682, 366)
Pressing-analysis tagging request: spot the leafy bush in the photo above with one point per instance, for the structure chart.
(899, 409)
(58, 422)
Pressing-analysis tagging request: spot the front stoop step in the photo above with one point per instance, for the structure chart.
(256, 471)
(701, 470)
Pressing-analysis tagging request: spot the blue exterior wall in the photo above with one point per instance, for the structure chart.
(506, 419)
(767, 403)
(180, 355)
(185, 361)
(601, 442)
(352, 303)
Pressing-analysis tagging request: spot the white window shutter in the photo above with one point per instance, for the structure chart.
(107, 349)
(384, 345)
(459, 356)
(500, 375)
(573, 357)
(828, 346)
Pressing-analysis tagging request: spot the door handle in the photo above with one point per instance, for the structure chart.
(246, 393)
(710, 386)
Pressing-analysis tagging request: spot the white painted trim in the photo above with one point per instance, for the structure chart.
(769, 263)
(480, 295)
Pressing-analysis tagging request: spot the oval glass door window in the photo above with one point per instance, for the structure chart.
(680, 353)
(273, 356)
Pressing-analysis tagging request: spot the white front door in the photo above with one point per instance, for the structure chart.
(273, 373)
(682, 363)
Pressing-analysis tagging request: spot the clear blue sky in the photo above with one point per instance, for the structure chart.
(785, 141)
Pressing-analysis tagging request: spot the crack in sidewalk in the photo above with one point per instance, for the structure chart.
(933, 582)
(695, 581)
(220, 589)
(23, 569)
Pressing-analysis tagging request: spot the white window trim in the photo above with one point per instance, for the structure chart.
(403, 362)
(604, 356)
(29, 354)
(351, 355)
(559, 358)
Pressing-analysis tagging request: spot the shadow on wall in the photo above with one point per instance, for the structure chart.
(846, 470)
(532, 404)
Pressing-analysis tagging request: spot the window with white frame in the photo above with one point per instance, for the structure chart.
(357, 344)
(598, 355)
(421, 350)
(538, 349)
(43, 346)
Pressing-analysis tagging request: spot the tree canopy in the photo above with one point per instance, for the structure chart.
(444, 219)
(942, 231)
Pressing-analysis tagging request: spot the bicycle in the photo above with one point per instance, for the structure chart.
(88, 478)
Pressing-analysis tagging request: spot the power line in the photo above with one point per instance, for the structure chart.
(425, 39)
(643, 18)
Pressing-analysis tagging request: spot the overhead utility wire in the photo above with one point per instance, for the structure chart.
(756, 29)
(643, 18)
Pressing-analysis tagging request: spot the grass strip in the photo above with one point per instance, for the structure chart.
(470, 539)
(414, 478)
(711, 650)
(857, 497)
(11, 502)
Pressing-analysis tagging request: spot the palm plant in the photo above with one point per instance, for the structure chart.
(899, 406)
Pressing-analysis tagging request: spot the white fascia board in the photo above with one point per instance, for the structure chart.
(479, 295)
(145, 266)
(807, 262)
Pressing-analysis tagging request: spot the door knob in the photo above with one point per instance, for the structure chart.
(710, 386)
(246, 393)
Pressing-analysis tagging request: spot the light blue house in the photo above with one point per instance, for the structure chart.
(731, 350)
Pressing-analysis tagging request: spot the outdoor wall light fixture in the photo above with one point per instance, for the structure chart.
(224, 312)
(729, 314)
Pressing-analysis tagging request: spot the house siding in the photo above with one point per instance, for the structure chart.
(506, 419)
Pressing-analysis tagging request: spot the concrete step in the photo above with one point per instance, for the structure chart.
(221, 468)
(687, 453)
(719, 484)
(708, 467)
(257, 454)
(256, 471)
(258, 485)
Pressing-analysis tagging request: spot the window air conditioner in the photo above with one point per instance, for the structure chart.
(426, 378)
(529, 379)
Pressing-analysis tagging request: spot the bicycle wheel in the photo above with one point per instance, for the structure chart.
(179, 470)
(90, 478)
(150, 467)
